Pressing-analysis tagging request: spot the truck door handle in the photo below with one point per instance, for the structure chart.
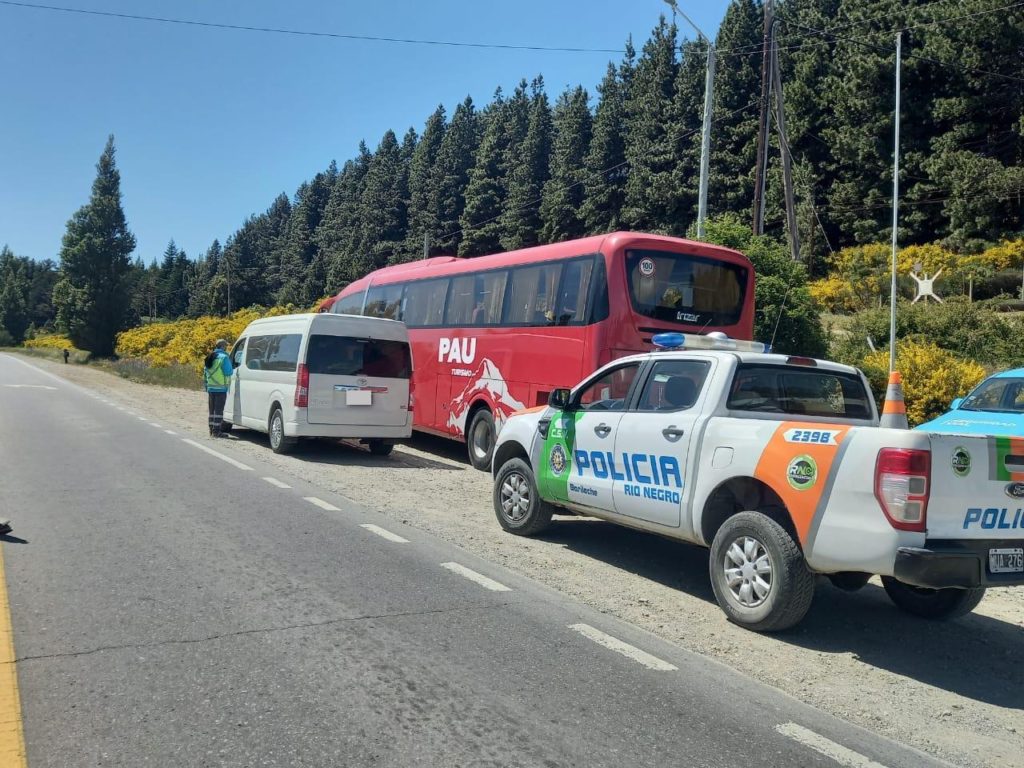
(602, 430)
(671, 432)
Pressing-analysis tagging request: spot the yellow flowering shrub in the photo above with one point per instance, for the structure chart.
(1008, 254)
(932, 257)
(834, 295)
(932, 377)
(51, 341)
(187, 341)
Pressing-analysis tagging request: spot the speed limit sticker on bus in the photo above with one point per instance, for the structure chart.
(646, 267)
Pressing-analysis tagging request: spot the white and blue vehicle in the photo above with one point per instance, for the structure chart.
(995, 407)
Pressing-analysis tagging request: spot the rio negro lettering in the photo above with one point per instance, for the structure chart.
(647, 476)
(994, 518)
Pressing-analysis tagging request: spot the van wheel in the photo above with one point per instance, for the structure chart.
(275, 430)
(517, 503)
(758, 573)
(932, 603)
(380, 448)
(480, 439)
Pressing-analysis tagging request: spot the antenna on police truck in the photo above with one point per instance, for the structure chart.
(778, 320)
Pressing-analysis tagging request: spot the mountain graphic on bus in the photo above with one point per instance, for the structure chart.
(488, 384)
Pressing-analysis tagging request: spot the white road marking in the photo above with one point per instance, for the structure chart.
(170, 432)
(384, 533)
(31, 386)
(827, 747)
(218, 454)
(143, 418)
(276, 483)
(627, 650)
(479, 578)
(154, 424)
(321, 503)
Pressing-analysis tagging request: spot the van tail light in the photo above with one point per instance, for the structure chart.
(302, 386)
(412, 395)
(902, 485)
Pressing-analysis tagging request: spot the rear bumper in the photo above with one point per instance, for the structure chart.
(941, 564)
(347, 431)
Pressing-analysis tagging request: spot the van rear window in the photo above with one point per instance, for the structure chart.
(353, 356)
(799, 391)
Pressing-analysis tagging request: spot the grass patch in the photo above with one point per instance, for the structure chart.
(179, 376)
(76, 356)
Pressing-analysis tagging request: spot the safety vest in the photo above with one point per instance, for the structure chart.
(215, 374)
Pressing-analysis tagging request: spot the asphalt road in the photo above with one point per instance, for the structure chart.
(173, 608)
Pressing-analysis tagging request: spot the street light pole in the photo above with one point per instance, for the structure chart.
(705, 143)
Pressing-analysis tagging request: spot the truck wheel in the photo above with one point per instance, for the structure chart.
(758, 573)
(517, 503)
(480, 439)
(380, 448)
(275, 431)
(932, 603)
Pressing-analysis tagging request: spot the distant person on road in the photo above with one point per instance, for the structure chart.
(66, 353)
(5, 527)
(216, 376)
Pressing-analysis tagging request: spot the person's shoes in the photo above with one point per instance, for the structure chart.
(5, 527)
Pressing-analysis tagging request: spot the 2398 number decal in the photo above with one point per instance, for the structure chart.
(812, 436)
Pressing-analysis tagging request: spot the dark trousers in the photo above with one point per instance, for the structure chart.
(216, 406)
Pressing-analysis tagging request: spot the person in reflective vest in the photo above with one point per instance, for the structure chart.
(217, 372)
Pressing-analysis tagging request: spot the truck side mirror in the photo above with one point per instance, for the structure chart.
(956, 404)
(559, 399)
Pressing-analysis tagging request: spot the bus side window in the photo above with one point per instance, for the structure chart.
(533, 295)
(350, 305)
(572, 294)
(385, 301)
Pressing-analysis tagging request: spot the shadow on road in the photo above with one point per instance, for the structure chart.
(338, 453)
(9, 539)
(975, 656)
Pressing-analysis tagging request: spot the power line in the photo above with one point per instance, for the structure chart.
(308, 33)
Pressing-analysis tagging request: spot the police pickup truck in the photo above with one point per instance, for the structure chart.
(776, 463)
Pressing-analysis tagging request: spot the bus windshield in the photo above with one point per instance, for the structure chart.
(681, 288)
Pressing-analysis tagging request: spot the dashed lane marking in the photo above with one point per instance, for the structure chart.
(31, 386)
(384, 533)
(479, 578)
(154, 424)
(627, 650)
(143, 418)
(826, 747)
(170, 432)
(218, 454)
(322, 504)
(276, 483)
(12, 736)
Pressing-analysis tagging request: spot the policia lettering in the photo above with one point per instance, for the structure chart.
(664, 474)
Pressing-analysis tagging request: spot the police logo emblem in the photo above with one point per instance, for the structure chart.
(557, 460)
(961, 462)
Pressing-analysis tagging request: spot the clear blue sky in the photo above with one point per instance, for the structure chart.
(212, 124)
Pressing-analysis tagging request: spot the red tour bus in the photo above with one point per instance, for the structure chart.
(492, 335)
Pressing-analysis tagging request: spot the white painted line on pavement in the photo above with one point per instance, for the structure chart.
(276, 483)
(218, 454)
(143, 418)
(154, 424)
(384, 533)
(321, 503)
(627, 650)
(479, 578)
(170, 432)
(827, 747)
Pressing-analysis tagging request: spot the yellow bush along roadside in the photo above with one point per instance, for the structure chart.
(187, 341)
(51, 341)
(932, 377)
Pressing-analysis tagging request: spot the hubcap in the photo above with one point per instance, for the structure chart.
(275, 431)
(748, 571)
(481, 440)
(515, 497)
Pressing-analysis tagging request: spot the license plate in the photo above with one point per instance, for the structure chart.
(1009, 560)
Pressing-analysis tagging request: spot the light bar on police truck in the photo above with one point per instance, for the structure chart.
(713, 340)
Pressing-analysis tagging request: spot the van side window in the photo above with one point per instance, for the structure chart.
(278, 352)
(236, 353)
(349, 305)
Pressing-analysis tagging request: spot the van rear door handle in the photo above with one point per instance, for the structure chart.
(602, 429)
(671, 432)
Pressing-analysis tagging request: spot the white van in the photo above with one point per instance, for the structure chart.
(323, 375)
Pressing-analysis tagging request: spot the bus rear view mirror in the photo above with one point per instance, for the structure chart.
(559, 399)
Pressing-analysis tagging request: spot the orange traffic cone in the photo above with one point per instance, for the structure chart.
(894, 412)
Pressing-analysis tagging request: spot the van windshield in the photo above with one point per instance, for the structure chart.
(353, 356)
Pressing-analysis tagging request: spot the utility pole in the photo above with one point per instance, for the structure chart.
(787, 166)
(762, 128)
(895, 207)
(705, 142)
(227, 269)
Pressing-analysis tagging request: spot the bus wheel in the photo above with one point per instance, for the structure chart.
(480, 439)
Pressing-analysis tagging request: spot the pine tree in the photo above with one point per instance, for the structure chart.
(686, 115)
(14, 316)
(297, 249)
(563, 194)
(650, 201)
(605, 164)
(92, 298)
(424, 213)
(337, 237)
(450, 177)
(527, 168)
(382, 206)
